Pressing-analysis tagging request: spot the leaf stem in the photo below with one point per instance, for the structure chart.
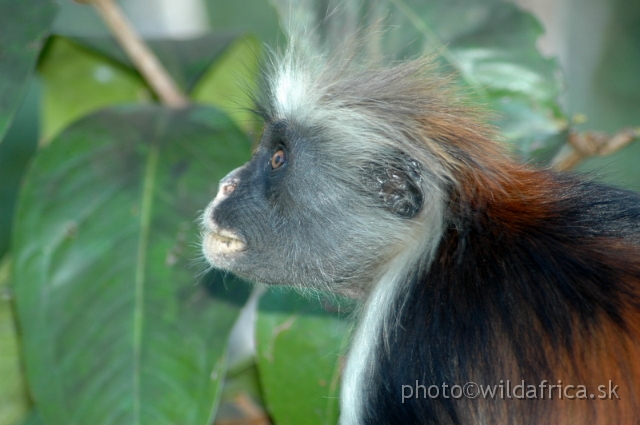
(142, 57)
(591, 143)
(143, 246)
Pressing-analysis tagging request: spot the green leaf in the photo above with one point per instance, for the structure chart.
(77, 82)
(604, 65)
(85, 74)
(19, 145)
(14, 403)
(23, 26)
(185, 60)
(606, 88)
(300, 348)
(241, 391)
(256, 17)
(34, 418)
(229, 83)
(115, 328)
(491, 45)
(78, 18)
(519, 82)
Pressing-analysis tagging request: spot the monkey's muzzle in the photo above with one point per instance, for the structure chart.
(222, 242)
(219, 244)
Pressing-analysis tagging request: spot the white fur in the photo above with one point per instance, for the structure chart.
(377, 316)
(290, 92)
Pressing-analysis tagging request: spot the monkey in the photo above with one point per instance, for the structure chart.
(381, 182)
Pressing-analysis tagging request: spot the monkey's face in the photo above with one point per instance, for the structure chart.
(304, 211)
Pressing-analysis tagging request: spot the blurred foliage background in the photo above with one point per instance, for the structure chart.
(107, 312)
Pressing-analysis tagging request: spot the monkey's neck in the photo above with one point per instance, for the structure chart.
(374, 320)
(378, 315)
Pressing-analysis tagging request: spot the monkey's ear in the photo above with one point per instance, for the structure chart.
(398, 185)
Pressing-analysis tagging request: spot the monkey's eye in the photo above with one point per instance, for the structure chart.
(278, 159)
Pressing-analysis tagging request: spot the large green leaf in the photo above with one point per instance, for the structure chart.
(33, 418)
(499, 58)
(231, 81)
(185, 60)
(23, 26)
(603, 68)
(19, 145)
(79, 18)
(14, 402)
(491, 45)
(300, 348)
(84, 74)
(77, 81)
(256, 17)
(115, 328)
(215, 69)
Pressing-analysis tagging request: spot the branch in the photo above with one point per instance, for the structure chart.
(591, 143)
(142, 57)
(251, 414)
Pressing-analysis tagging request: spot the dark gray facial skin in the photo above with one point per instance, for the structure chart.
(309, 217)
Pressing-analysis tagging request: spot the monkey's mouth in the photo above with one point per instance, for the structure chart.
(223, 242)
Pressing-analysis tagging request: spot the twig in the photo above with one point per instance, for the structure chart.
(142, 57)
(591, 143)
(251, 414)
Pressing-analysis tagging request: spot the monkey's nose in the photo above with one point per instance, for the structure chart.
(227, 185)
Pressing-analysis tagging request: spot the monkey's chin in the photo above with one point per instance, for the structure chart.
(222, 246)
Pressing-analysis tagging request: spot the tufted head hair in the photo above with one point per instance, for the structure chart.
(371, 159)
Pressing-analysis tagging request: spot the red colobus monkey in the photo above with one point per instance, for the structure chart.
(379, 183)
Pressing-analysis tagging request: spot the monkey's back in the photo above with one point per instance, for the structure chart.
(526, 289)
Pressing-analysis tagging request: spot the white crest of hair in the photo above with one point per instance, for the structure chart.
(315, 37)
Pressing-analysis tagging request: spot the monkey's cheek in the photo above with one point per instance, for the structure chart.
(222, 247)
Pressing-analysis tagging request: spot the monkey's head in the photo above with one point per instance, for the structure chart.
(345, 179)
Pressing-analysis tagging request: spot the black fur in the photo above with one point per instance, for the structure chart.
(488, 286)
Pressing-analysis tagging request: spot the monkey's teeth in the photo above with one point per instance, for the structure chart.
(224, 242)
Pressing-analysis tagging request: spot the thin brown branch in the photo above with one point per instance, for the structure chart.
(250, 412)
(591, 143)
(142, 57)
